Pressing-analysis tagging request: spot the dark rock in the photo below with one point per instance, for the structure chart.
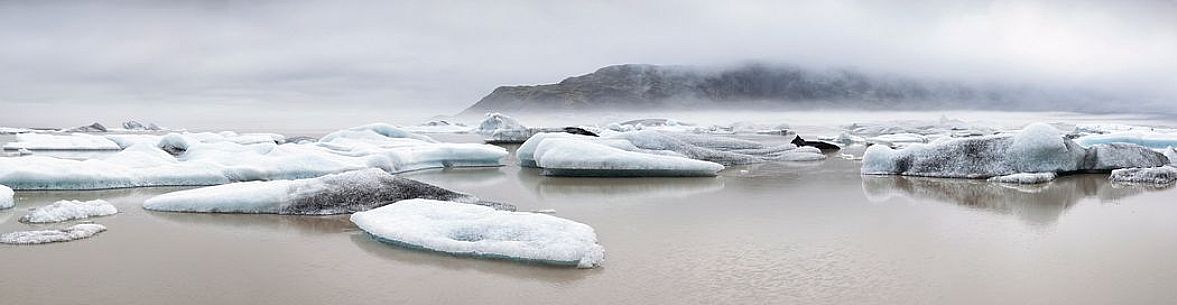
(822, 145)
(580, 131)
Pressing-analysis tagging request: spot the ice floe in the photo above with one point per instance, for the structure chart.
(75, 232)
(211, 163)
(1025, 178)
(6, 197)
(1152, 140)
(1039, 148)
(478, 231)
(1161, 175)
(66, 210)
(77, 141)
(568, 157)
(342, 193)
(440, 126)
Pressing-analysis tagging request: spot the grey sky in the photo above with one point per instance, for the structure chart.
(195, 63)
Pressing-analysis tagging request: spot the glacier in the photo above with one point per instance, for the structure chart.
(342, 193)
(478, 231)
(75, 232)
(198, 163)
(1161, 175)
(1038, 148)
(66, 210)
(6, 197)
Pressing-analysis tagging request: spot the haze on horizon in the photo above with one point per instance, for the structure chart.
(204, 63)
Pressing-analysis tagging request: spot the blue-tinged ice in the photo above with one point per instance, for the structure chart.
(1152, 140)
(479, 231)
(1039, 148)
(184, 159)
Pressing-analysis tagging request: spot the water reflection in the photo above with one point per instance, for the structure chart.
(300, 224)
(599, 189)
(515, 270)
(1041, 204)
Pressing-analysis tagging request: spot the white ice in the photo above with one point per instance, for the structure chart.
(6, 197)
(564, 157)
(440, 126)
(1161, 175)
(77, 141)
(1039, 148)
(1025, 178)
(479, 231)
(66, 210)
(211, 163)
(75, 232)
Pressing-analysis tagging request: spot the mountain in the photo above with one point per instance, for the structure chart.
(756, 86)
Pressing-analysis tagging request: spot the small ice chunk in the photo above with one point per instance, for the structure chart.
(1024, 178)
(6, 197)
(568, 157)
(66, 210)
(1150, 175)
(348, 192)
(75, 232)
(479, 231)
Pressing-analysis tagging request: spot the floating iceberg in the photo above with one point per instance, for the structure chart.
(343, 193)
(501, 129)
(75, 232)
(479, 231)
(1025, 178)
(1152, 140)
(897, 140)
(66, 210)
(136, 126)
(199, 163)
(726, 151)
(1039, 148)
(1151, 175)
(12, 130)
(568, 157)
(6, 197)
(77, 141)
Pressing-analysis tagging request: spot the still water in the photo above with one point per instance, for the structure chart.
(778, 233)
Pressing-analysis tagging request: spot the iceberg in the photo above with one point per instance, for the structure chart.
(77, 141)
(6, 197)
(1024, 178)
(1161, 175)
(440, 126)
(478, 231)
(75, 232)
(197, 163)
(66, 210)
(342, 193)
(1039, 148)
(502, 129)
(136, 126)
(568, 157)
(96, 127)
(1154, 140)
(726, 151)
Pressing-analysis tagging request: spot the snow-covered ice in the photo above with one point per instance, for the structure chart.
(1039, 148)
(75, 232)
(479, 231)
(76, 141)
(66, 210)
(569, 157)
(211, 163)
(1161, 175)
(342, 193)
(6, 197)
(1025, 178)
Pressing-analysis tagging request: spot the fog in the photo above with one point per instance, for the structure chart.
(252, 64)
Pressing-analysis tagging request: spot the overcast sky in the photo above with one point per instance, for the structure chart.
(196, 63)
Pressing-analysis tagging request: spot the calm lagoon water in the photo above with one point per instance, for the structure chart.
(777, 233)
